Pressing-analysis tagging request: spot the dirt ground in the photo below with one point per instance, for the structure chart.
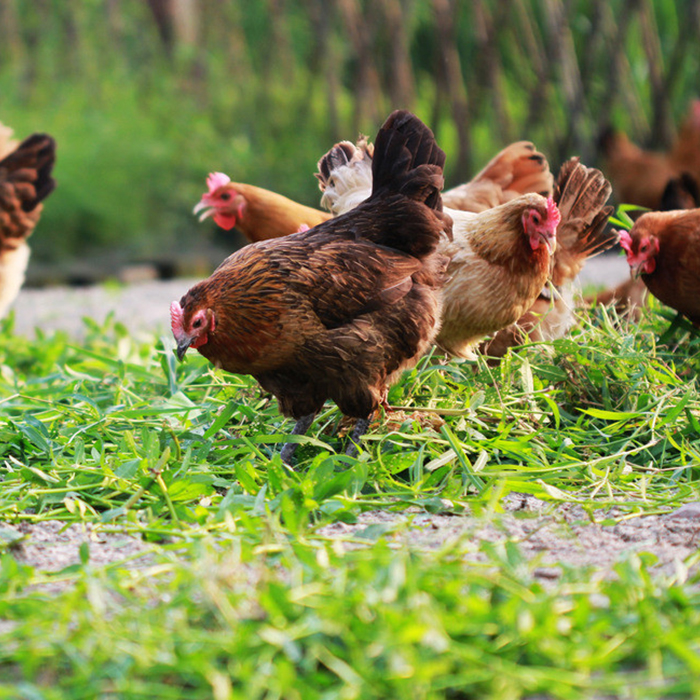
(556, 537)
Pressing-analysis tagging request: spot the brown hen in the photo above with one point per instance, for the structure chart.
(663, 248)
(339, 311)
(640, 176)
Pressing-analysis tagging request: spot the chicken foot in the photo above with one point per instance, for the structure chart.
(300, 428)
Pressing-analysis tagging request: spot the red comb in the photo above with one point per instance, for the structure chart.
(625, 241)
(553, 213)
(216, 180)
(177, 318)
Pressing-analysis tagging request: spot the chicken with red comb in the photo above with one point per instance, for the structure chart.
(663, 248)
(338, 311)
(257, 213)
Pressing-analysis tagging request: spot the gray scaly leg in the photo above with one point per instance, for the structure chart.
(359, 430)
(300, 428)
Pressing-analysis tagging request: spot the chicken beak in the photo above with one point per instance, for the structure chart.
(182, 346)
(636, 271)
(551, 243)
(208, 210)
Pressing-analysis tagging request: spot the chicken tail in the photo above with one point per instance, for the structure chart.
(580, 194)
(408, 161)
(28, 170)
(25, 180)
(345, 175)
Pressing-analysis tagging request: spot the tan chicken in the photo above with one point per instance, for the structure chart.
(338, 311)
(25, 180)
(581, 194)
(496, 267)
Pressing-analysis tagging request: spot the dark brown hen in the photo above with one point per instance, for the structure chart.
(339, 311)
(25, 180)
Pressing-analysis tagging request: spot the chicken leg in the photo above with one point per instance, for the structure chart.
(358, 431)
(300, 428)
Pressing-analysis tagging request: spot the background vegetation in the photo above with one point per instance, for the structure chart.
(144, 98)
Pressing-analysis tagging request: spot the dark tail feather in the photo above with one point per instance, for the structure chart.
(32, 162)
(407, 160)
(580, 194)
(341, 154)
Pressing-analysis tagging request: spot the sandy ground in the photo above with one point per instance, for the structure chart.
(555, 537)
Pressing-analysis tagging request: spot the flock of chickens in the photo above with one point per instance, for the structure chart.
(337, 304)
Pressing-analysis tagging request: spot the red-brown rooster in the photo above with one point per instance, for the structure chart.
(663, 248)
(339, 311)
(25, 180)
(257, 213)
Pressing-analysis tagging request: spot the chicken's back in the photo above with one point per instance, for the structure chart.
(518, 169)
(25, 180)
(271, 215)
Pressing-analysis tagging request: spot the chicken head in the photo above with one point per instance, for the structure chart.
(191, 332)
(222, 201)
(540, 224)
(641, 252)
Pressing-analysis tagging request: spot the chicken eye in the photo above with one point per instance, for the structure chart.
(643, 247)
(197, 323)
(536, 218)
(225, 196)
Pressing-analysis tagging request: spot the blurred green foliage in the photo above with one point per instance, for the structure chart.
(262, 90)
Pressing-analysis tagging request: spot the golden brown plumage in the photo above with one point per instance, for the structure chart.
(580, 194)
(25, 180)
(336, 312)
(663, 248)
(518, 169)
(257, 213)
(499, 262)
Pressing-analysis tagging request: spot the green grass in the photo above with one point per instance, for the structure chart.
(241, 596)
